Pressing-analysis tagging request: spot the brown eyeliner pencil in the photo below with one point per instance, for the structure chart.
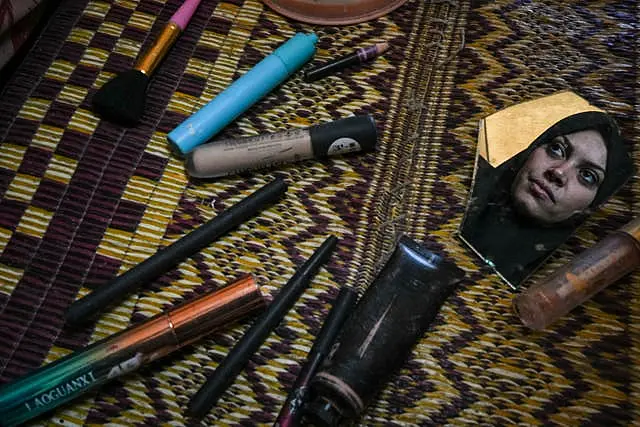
(291, 412)
(358, 57)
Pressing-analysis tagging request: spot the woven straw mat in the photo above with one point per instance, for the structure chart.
(83, 200)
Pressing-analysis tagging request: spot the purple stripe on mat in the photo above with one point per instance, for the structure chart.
(118, 14)
(72, 144)
(89, 22)
(71, 52)
(102, 271)
(15, 321)
(206, 53)
(102, 208)
(170, 119)
(152, 8)
(219, 25)
(128, 215)
(84, 75)
(19, 250)
(21, 132)
(151, 166)
(6, 176)
(76, 261)
(59, 114)
(86, 102)
(33, 68)
(35, 161)
(10, 213)
(192, 85)
(133, 33)
(48, 89)
(103, 41)
(118, 62)
(118, 402)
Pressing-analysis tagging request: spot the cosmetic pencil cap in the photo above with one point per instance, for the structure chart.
(184, 13)
(357, 133)
(297, 51)
(632, 228)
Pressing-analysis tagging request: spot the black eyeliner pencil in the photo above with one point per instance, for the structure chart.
(360, 56)
(170, 256)
(291, 412)
(235, 361)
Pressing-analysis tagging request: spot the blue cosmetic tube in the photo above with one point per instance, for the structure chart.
(244, 92)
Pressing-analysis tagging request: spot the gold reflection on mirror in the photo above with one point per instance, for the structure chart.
(506, 133)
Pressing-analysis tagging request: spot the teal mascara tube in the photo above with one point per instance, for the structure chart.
(243, 93)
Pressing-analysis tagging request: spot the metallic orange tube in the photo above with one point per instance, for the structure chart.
(70, 376)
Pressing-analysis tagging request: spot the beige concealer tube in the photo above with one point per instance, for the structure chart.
(232, 156)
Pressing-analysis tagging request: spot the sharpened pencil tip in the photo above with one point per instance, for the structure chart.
(382, 47)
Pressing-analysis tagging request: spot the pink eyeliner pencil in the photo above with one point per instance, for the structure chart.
(360, 56)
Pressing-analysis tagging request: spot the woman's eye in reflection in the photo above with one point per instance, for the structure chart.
(557, 149)
(589, 177)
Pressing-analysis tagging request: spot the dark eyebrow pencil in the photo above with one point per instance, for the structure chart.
(291, 412)
(239, 356)
(168, 257)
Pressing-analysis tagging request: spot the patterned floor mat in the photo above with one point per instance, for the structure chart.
(83, 200)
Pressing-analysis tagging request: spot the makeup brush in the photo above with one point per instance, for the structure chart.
(122, 98)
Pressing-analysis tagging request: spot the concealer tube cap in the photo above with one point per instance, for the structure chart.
(357, 133)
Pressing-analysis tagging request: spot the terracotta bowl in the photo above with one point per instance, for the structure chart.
(333, 12)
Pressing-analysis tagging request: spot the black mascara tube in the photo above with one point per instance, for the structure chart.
(291, 412)
(168, 257)
(378, 337)
(237, 358)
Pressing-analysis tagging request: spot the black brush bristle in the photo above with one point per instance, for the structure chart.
(122, 99)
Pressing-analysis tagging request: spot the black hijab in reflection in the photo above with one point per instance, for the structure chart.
(513, 245)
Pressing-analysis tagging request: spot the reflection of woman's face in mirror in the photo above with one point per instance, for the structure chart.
(561, 178)
(540, 169)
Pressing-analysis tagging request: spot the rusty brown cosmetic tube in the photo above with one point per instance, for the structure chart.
(587, 274)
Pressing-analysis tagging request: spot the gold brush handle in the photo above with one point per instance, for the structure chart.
(150, 60)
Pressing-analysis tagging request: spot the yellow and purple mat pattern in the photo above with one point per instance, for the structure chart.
(83, 200)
